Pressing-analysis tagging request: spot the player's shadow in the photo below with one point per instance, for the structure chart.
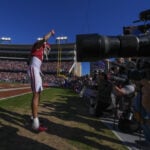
(9, 139)
(13, 117)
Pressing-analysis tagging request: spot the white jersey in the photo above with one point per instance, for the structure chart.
(36, 62)
(34, 73)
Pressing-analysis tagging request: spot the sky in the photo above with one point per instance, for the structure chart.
(26, 20)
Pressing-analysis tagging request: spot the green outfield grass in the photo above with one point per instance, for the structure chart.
(68, 120)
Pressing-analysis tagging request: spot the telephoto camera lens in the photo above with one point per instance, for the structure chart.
(93, 47)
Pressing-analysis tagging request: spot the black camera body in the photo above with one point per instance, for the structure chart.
(93, 47)
(142, 70)
(117, 80)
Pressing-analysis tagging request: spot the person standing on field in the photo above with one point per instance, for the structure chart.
(39, 49)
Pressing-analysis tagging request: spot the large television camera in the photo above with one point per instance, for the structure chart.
(93, 47)
(135, 42)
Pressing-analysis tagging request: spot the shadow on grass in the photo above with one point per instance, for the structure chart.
(73, 109)
(10, 139)
(79, 135)
(68, 108)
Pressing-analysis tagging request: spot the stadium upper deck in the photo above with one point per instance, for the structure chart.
(66, 52)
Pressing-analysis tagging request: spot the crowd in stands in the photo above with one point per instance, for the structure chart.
(16, 71)
(12, 77)
(51, 67)
(13, 65)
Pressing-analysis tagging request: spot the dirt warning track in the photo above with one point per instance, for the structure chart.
(10, 90)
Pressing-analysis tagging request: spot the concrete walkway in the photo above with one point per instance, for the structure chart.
(127, 139)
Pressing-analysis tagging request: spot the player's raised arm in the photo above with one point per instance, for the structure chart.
(48, 35)
(45, 38)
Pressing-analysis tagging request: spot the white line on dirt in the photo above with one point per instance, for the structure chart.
(14, 96)
(11, 89)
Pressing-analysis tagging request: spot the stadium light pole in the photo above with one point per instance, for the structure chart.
(3, 39)
(39, 38)
(60, 40)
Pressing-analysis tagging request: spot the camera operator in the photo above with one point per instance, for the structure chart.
(123, 89)
(104, 94)
(124, 95)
